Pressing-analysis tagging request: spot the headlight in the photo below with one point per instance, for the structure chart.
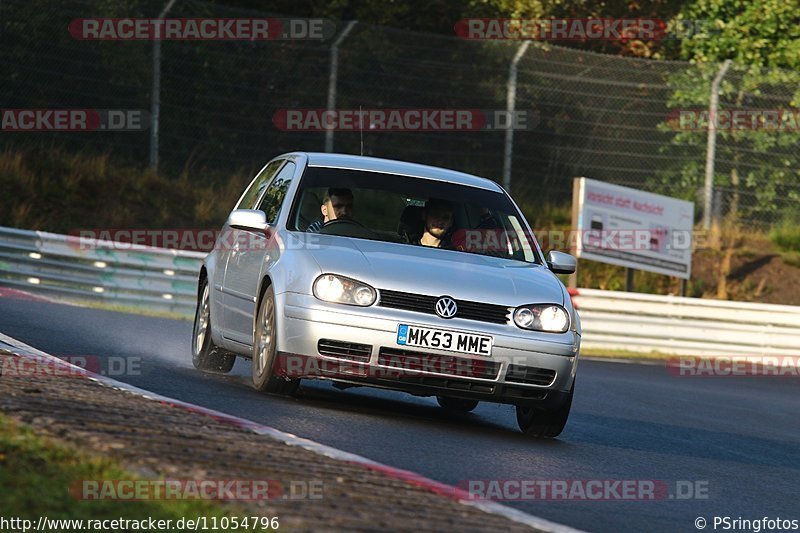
(542, 317)
(342, 290)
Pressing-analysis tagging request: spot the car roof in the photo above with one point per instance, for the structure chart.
(403, 168)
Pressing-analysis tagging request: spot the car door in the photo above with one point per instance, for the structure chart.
(229, 237)
(250, 251)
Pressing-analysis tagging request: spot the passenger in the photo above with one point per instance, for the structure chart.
(438, 220)
(487, 220)
(338, 203)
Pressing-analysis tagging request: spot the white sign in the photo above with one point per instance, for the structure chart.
(632, 228)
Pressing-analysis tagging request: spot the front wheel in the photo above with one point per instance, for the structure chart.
(265, 349)
(206, 355)
(545, 424)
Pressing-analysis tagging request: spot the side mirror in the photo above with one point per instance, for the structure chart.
(248, 219)
(561, 263)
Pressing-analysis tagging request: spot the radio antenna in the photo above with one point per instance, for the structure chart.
(361, 128)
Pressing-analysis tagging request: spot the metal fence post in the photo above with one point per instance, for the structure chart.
(711, 147)
(155, 97)
(511, 104)
(332, 79)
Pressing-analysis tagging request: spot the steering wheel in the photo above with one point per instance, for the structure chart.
(346, 227)
(340, 221)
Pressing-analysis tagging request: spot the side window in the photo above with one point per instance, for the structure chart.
(258, 185)
(276, 192)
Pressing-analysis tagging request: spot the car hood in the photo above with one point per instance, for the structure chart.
(435, 272)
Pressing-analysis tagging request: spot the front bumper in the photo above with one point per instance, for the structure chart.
(525, 367)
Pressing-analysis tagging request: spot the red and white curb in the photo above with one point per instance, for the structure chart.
(448, 491)
(8, 292)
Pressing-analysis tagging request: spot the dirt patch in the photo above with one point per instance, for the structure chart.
(758, 273)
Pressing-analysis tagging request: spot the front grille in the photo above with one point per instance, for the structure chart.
(530, 375)
(441, 364)
(497, 314)
(408, 301)
(344, 350)
(421, 303)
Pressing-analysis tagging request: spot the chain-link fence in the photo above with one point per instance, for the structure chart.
(604, 117)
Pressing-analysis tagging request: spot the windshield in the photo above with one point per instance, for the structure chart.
(410, 211)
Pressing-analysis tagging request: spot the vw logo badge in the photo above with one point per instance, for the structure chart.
(446, 307)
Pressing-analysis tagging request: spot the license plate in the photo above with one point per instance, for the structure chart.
(442, 339)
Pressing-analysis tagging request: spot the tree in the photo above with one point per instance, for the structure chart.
(758, 162)
(758, 34)
(757, 170)
(662, 10)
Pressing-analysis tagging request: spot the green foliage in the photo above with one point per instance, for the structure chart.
(786, 236)
(758, 34)
(52, 189)
(36, 475)
(546, 216)
(762, 39)
(759, 165)
(792, 259)
(545, 9)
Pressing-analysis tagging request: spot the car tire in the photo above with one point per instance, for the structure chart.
(206, 355)
(265, 349)
(545, 423)
(456, 405)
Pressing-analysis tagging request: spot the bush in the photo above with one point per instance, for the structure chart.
(54, 190)
(786, 236)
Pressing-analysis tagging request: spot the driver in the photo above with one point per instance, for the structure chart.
(437, 217)
(338, 203)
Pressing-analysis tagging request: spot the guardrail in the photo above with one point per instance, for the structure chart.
(691, 326)
(163, 279)
(89, 269)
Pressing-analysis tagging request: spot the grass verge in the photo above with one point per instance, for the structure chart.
(130, 309)
(625, 354)
(35, 474)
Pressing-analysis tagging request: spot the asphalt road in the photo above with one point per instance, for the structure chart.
(739, 438)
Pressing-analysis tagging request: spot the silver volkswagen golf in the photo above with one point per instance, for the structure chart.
(371, 272)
